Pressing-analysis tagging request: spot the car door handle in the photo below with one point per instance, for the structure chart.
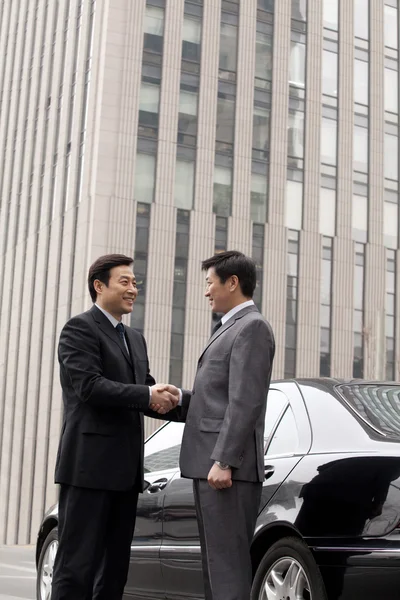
(157, 486)
(269, 470)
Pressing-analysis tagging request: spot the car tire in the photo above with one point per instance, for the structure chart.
(46, 566)
(288, 570)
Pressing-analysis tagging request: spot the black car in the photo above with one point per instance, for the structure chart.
(328, 525)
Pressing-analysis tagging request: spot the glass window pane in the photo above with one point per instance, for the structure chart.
(225, 120)
(261, 118)
(184, 184)
(360, 149)
(328, 141)
(331, 14)
(154, 20)
(390, 224)
(391, 91)
(299, 10)
(296, 133)
(327, 212)
(294, 204)
(145, 177)
(391, 156)
(361, 82)
(222, 191)
(391, 26)
(286, 437)
(297, 64)
(329, 73)
(259, 184)
(149, 98)
(162, 450)
(358, 287)
(360, 217)
(228, 47)
(361, 19)
(191, 39)
(263, 56)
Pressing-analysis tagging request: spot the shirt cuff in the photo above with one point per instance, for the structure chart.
(149, 395)
(180, 397)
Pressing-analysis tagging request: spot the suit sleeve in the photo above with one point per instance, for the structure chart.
(82, 370)
(249, 376)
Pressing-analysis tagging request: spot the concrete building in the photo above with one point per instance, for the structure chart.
(169, 129)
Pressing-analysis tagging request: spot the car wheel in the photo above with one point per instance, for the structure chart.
(288, 572)
(46, 565)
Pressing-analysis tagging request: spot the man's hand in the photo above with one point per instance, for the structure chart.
(219, 479)
(164, 397)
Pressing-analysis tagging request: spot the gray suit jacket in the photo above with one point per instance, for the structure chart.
(226, 408)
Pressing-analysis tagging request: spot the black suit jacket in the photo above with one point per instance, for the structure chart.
(105, 394)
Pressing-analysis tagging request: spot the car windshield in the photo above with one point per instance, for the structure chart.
(378, 405)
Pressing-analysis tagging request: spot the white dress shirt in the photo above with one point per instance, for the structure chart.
(235, 310)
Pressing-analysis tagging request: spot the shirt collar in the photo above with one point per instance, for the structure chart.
(114, 322)
(235, 310)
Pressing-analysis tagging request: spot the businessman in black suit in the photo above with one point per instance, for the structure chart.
(107, 387)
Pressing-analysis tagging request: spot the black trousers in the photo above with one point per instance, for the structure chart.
(95, 533)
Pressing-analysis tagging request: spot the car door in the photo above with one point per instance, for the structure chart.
(286, 442)
(180, 549)
(161, 463)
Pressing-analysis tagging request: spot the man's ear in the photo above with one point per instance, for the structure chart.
(234, 283)
(98, 286)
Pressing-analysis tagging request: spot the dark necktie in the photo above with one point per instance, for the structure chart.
(121, 332)
(217, 325)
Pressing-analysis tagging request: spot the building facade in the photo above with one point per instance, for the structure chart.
(171, 129)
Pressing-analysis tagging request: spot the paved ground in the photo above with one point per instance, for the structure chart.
(17, 573)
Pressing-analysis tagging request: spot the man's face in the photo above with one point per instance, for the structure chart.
(119, 296)
(218, 293)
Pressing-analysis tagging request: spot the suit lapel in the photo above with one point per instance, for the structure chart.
(227, 325)
(107, 328)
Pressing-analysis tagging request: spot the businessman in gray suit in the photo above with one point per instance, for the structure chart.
(223, 441)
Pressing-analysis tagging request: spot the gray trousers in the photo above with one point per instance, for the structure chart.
(227, 519)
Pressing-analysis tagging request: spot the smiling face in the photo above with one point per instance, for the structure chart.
(220, 295)
(119, 296)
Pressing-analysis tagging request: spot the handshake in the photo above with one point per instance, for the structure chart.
(164, 397)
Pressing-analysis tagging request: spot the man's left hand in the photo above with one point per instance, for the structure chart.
(219, 479)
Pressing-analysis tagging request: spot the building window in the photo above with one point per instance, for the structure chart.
(261, 125)
(148, 109)
(225, 117)
(228, 47)
(331, 14)
(299, 10)
(145, 176)
(327, 211)
(291, 303)
(360, 149)
(391, 88)
(390, 311)
(329, 73)
(390, 219)
(263, 54)
(391, 156)
(258, 257)
(184, 184)
(358, 311)
(187, 117)
(154, 29)
(294, 204)
(296, 130)
(391, 30)
(191, 37)
(297, 64)
(140, 265)
(259, 192)
(328, 141)
(361, 19)
(222, 198)
(267, 5)
(360, 218)
(325, 310)
(179, 297)
(361, 82)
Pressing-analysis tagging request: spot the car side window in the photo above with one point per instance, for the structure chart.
(286, 436)
(276, 404)
(161, 451)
